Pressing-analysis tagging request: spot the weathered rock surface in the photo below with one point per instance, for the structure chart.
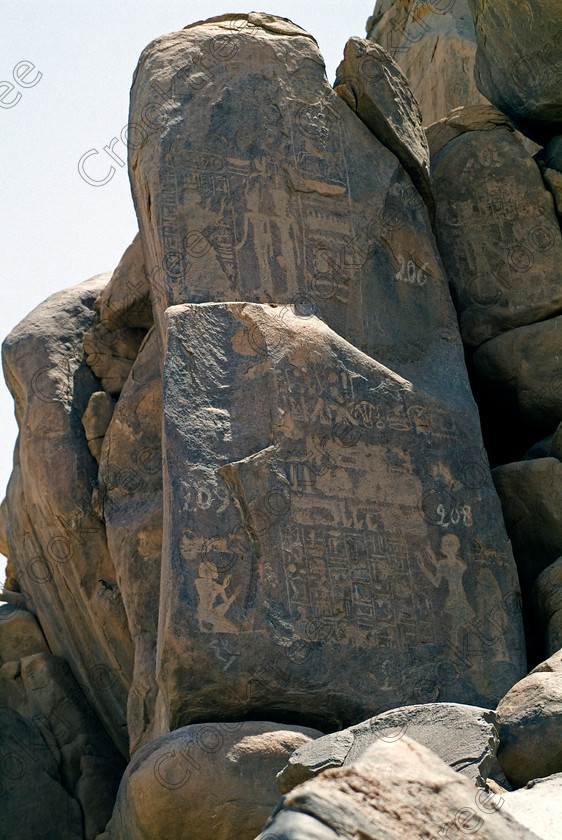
(90, 766)
(465, 737)
(497, 233)
(316, 502)
(125, 301)
(540, 449)
(556, 446)
(286, 205)
(462, 120)
(522, 372)
(96, 419)
(40, 688)
(399, 791)
(553, 182)
(548, 599)
(211, 781)
(435, 46)
(375, 88)
(56, 542)
(130, 501)
(4, 529)
(530, 718)
(20, 634)
(323, 541)
(30, 772)
(111, 353)
(518, 62)
(538, 806)
(531, 497)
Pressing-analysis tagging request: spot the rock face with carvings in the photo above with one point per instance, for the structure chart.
(306, 519)
(251, 504)
(285, 206)
(501, 245)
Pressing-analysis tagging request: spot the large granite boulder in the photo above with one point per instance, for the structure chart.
(210, 781)
(96, 419)
(35, 804)
(548, 599)
(57, 544)
(125, 301)
(518, 63)
(522, 373)
(20, 634)
(331, 548)
(531, 497)
(396, 791)
(375, 88)
(129, 498)
(435, 46)
(465, 737)
(530, 719)
(497, 231)
(52, 718)
(295, 202)
(538, 806)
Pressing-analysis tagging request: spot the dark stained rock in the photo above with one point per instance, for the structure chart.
(522, 373)
(518, 63)
(375, 88)
(35, 804)
(55, 721)
(548, 599)
(296, 201)
(497, 233)
(531, 497)
(316, 503)
(462, 120)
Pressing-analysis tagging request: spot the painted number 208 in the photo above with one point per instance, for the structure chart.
(454, 516)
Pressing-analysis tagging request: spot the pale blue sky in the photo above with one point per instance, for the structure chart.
(58, 230)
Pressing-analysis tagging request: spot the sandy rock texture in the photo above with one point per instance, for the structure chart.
(399, 791)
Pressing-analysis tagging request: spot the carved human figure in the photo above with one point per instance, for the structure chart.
(451, 567)
(213, 600)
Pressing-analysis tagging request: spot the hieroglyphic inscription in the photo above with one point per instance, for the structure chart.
(351, 582)
(275, 231)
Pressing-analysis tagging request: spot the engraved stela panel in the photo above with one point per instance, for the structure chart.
(333, 543)
(254, 181)
(497, 233)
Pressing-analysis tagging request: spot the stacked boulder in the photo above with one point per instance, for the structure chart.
(255, 543)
